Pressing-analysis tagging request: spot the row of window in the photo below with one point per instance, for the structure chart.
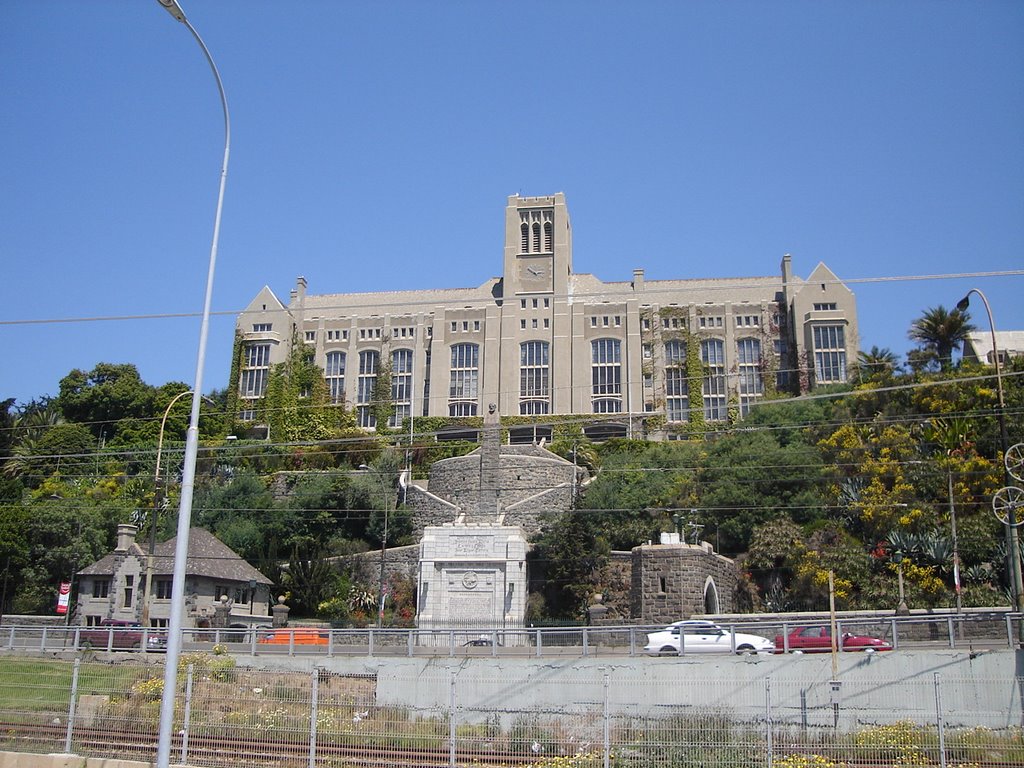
(533, 224)
(535, 323)
(535, 377)
(101, 589)
(364, 333)
(605, 321)
(742, 321)
(535, 303)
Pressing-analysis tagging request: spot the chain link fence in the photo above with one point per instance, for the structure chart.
(230, 716)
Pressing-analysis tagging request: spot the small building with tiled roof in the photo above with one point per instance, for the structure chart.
(114, 587)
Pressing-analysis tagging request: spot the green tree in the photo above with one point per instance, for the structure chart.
(243, 515)
(103, 398)
(375, 492)
(309, 577)
(636, 480)
(567, 563)
(868, 480)
(940, 330)
(61, 536)
(877, 363)
(749, 478)
(63, 449)
(776, 550)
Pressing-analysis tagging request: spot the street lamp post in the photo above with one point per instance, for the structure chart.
(383, 541)
(156, 505)
(192, 436)
(157, 499)
(1012, 545)
(901, 609)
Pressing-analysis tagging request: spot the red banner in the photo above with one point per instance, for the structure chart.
(64, 598)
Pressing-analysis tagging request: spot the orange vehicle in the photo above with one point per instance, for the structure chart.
(301, 635)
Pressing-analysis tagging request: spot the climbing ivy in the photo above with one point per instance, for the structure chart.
(382, 405)
(297, 405)
(695, 374)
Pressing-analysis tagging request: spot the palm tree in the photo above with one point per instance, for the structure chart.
(940, 331)
(878, 362)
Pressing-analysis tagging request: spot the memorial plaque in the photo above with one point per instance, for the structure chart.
(470, 544)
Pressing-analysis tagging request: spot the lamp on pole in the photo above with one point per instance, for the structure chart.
(383, 540)
(192, 436)
(1012, 545)
(901, 609)
(157, 499)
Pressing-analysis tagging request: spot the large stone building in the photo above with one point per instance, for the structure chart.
(543, 339)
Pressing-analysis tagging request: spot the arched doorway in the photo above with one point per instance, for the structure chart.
(710, 596)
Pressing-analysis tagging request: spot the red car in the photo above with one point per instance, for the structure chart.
(121, 635)
(819, 640)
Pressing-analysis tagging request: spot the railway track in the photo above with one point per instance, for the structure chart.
(217, 751)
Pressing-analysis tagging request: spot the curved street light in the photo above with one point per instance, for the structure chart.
(1012, 545)
(156, 505)
(384, 539)
(192, 436)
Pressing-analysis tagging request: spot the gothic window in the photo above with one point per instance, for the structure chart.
(712, 354)
(677, 393)
(463, 388)
(751, 384)
(829, 353)
(255, 368)
(534, 377)
(368, 362)
(334, 372)
(401, 385)
(606, 375)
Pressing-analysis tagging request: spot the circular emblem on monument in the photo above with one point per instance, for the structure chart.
(469, 580)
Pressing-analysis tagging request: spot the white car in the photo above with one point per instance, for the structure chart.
(704, 637)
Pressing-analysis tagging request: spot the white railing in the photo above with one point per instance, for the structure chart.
(976, 630)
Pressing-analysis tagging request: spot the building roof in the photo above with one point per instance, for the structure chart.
(207, 557)
(978, 345)
(588, 289)
(414, 300)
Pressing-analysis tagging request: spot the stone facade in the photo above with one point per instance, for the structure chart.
(541, 339)
(674, 581)
(471, 575)
(114, 587)
(526, 483)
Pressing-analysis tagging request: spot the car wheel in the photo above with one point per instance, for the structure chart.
(136, 645)
(85, 645)
(745, 648)
(668, 650)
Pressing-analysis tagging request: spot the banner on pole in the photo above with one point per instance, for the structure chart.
(64, 598)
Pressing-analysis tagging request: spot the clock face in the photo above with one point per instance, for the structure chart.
(536, 273)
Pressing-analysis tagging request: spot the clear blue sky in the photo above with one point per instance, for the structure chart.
(374, 145)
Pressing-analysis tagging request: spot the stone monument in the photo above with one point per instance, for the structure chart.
(472, 572)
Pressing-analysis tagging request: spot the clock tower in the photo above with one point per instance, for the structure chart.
(538, 246)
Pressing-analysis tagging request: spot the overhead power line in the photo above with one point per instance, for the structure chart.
(404, 303)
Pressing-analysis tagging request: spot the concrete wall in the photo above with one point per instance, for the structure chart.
(872, 685)
(28, 760)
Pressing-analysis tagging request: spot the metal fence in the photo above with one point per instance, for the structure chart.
(472, 717)
(995, 630)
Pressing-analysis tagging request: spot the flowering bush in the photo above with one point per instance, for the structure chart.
(152, 688)
(807, 761)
